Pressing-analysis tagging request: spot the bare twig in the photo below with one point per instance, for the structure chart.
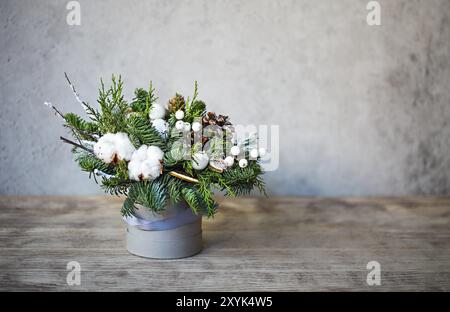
(57, 112)
(84, 104)
(76, 144)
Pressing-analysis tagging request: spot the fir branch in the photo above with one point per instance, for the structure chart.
(173, 187)
(207, 196)
(116, 186)
(86, 130)
(142, 132)
(89, 163)
(151, 195)
(194, 199)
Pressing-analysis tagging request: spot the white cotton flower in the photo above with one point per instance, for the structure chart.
(161, 126)
(105, 151)
(124, 146)
(155, 151)
(157, 111)
(113, 147)
(151, 170)
(145, 163)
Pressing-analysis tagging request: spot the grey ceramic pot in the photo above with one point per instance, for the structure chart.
(181, 241)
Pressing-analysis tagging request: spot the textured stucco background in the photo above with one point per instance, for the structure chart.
(362, 110)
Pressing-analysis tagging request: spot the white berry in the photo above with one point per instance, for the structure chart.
(262, 151)
(235, 150)
(243, 163)
(179, 125)
(229, 161)
(179, 114)
(196, 126)
(254, 153)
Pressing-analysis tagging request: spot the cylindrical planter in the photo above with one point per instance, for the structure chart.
(174, 233)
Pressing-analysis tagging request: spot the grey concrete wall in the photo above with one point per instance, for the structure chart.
(362, 110)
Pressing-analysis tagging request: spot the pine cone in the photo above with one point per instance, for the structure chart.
(212, 119)
(176, 103)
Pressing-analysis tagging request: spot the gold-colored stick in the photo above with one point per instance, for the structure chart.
(183, 177)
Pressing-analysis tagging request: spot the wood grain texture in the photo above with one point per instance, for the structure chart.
(252, 244)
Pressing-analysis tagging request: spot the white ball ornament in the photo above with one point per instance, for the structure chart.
(179, 125)
(243, 163)
(179, 114)
(200, 160)
(254, 153)
(235, 150)
(229, 161)
(196, 126)
(262, 151)
(161, 126)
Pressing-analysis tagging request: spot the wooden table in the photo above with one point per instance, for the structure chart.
(253, 244)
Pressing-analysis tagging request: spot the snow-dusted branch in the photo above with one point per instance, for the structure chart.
(77, 97)
(103, 174)
(57, 112)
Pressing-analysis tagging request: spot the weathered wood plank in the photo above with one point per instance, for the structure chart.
(282, 243)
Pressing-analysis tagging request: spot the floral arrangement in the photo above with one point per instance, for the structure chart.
(152, 153)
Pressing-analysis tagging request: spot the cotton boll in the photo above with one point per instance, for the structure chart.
(145, 163)
(179, 115)
(155, 152)
(105, 151)
(229, 161)
(157, 111)
(151, 170)
(243, 163)
(140, 154)
(134, 170)
(108, 138)
(200, 160)
(112, 147)
(161, 126)
(124, 147)
(179, 125)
